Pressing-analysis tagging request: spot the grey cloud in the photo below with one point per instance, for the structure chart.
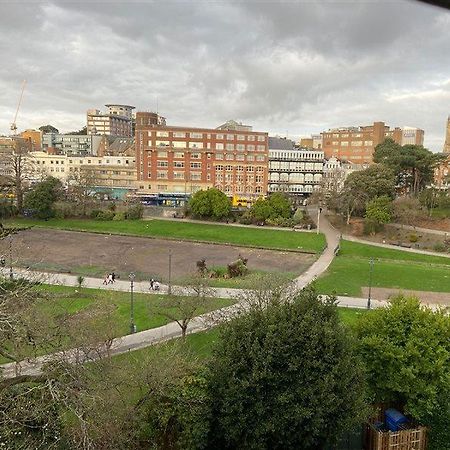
(297, 66)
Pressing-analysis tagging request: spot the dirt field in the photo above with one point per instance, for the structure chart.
(95, 254)
(425, 296)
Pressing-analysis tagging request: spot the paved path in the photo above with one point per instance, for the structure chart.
(422, 230)
(172, 330)
(394, 247)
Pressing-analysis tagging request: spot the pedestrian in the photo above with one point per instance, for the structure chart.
(105, 280)
(110, 278)
(152, 282)
(156, 286)
(113, 277)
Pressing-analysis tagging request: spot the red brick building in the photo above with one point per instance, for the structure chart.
(183, 160)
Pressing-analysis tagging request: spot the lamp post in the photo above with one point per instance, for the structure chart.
(169, 287)
(132, 276)
(369, 298)
(319, 210)
(11, 274)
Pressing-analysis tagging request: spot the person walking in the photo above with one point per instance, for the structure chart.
(113, 277)
(152, 282)
(105, 280)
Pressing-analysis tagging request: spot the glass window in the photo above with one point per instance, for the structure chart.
(178, 155)
(196, 155)
(230, 137)
(219, 136)
(251, 138)
(229, 157)
(240, 137)
(161, 154)
(261, 138)
(196, 135)
(179, 134)
(162, 164)
(219, 146)
(230, 146)
(162, 133)
(219, 156)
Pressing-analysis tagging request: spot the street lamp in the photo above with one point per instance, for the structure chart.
(132, 276)
(11, 275)
(369, 298)
(319, 210)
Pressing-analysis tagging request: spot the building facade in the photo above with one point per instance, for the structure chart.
(116, 121)
(71, 144)
(295, 171)
(35, 137)
(183, 160)
(446, 148)
(107, 171)
(357, 144)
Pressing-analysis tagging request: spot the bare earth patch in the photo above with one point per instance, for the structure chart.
(63, 251)
(378, 293)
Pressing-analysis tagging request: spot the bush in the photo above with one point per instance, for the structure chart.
(281, 222)
(105, 215)
(119, 216)
(7, 209)
(413, 237)
(134, 212)
(372, 227)
(439, 247)
(298, 216)
(246, 218)
(94, 213)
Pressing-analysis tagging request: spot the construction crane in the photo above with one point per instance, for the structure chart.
(13, 124)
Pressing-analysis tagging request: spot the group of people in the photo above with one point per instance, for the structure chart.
(109, 278)
(154, 285)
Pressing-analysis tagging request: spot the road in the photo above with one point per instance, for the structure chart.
(171, 330)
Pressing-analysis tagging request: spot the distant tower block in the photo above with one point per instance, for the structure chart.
(447, 137)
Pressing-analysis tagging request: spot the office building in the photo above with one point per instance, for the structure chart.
(295, 171)
(182, 160)
(71, 144)
(116, 121)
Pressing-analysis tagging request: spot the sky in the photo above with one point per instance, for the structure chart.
(286, 67)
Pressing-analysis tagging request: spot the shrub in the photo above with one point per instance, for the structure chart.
(298, 216)
(439, 247)
(413, 237)
(94, 213)
(134, 212)
(119, 216)
(371, 227)
(105, 215)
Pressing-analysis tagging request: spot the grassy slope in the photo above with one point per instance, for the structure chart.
(258, 237)
(392, 269)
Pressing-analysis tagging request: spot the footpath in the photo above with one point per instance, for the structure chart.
(171, 330)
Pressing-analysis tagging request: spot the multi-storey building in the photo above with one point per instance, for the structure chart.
(357, 144)
(114, 172)
(315, 141)
(71, 144)
(295, 171)
(447, 137)
(116, 121)
(35, 137)
(335, 172)
(183, 160)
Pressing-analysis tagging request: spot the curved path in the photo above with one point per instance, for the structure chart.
(146, 338)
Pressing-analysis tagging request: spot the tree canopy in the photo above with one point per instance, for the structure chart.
(413, 165)
(210, 203)
(406, 350)
(276, 205)
(276, 377)
(42, 196)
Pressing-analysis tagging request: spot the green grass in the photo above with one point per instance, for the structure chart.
(349, 271)
(222, 234)
(440, 213)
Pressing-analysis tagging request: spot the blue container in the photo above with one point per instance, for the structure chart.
(394, 419)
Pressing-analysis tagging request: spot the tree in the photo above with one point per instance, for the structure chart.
(188, 302)
(82, 131)
(48, 129)
(276, 376)
(210, 203)
(407, 210)
(17, 166)
(413, 165)
(362, 186)
(406, 350)
(80, 186)
(379, 210)
(42, 197)
(276, 205)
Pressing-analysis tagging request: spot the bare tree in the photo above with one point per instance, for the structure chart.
(80, 184)
(17, 169)
(187, 302)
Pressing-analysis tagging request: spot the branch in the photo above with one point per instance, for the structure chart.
(4, 384)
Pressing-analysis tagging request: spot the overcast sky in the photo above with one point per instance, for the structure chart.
(283, 67)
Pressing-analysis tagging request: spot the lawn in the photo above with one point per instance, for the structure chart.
(349, 271)
(191, 231)
(148, 309)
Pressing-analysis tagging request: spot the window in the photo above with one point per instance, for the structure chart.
(229, 156)
(250, 148)
(161, 154)
(196, 155)
(250, 169)
(219, 156)
(161, 187)
(369, 143)
(240, 137)
(195, 144)
(344, 143)
(240, 147)
(196, 165)
(230, 147)
(178, 155)
(260, 157)
(261, 138)
(196, 176)
(260, 169)
(162, 144)
(219, 167)
(229, 177)
(219, 146)
(250, 158)
(161, 174)
(261, 148)
(230, 137)
(228, 168)
(179, 134)
(251, 138)
(335, 143)
(178, 175)
(240, 157)
(357, 143)
(259, 178)
(162, 133)
(258, 189)
(219, 136)
(162, 164)
(239, 168)
(179, 144)
(196, 135)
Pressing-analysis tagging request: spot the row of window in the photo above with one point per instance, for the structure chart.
(259, 169)
(240, 189)
(295, 155)
(218, 156)
(209, 146)
(228, 177)
(217, 136)
(340, 135)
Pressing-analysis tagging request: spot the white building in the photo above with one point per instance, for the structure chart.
(295, 171)
(116, 121)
